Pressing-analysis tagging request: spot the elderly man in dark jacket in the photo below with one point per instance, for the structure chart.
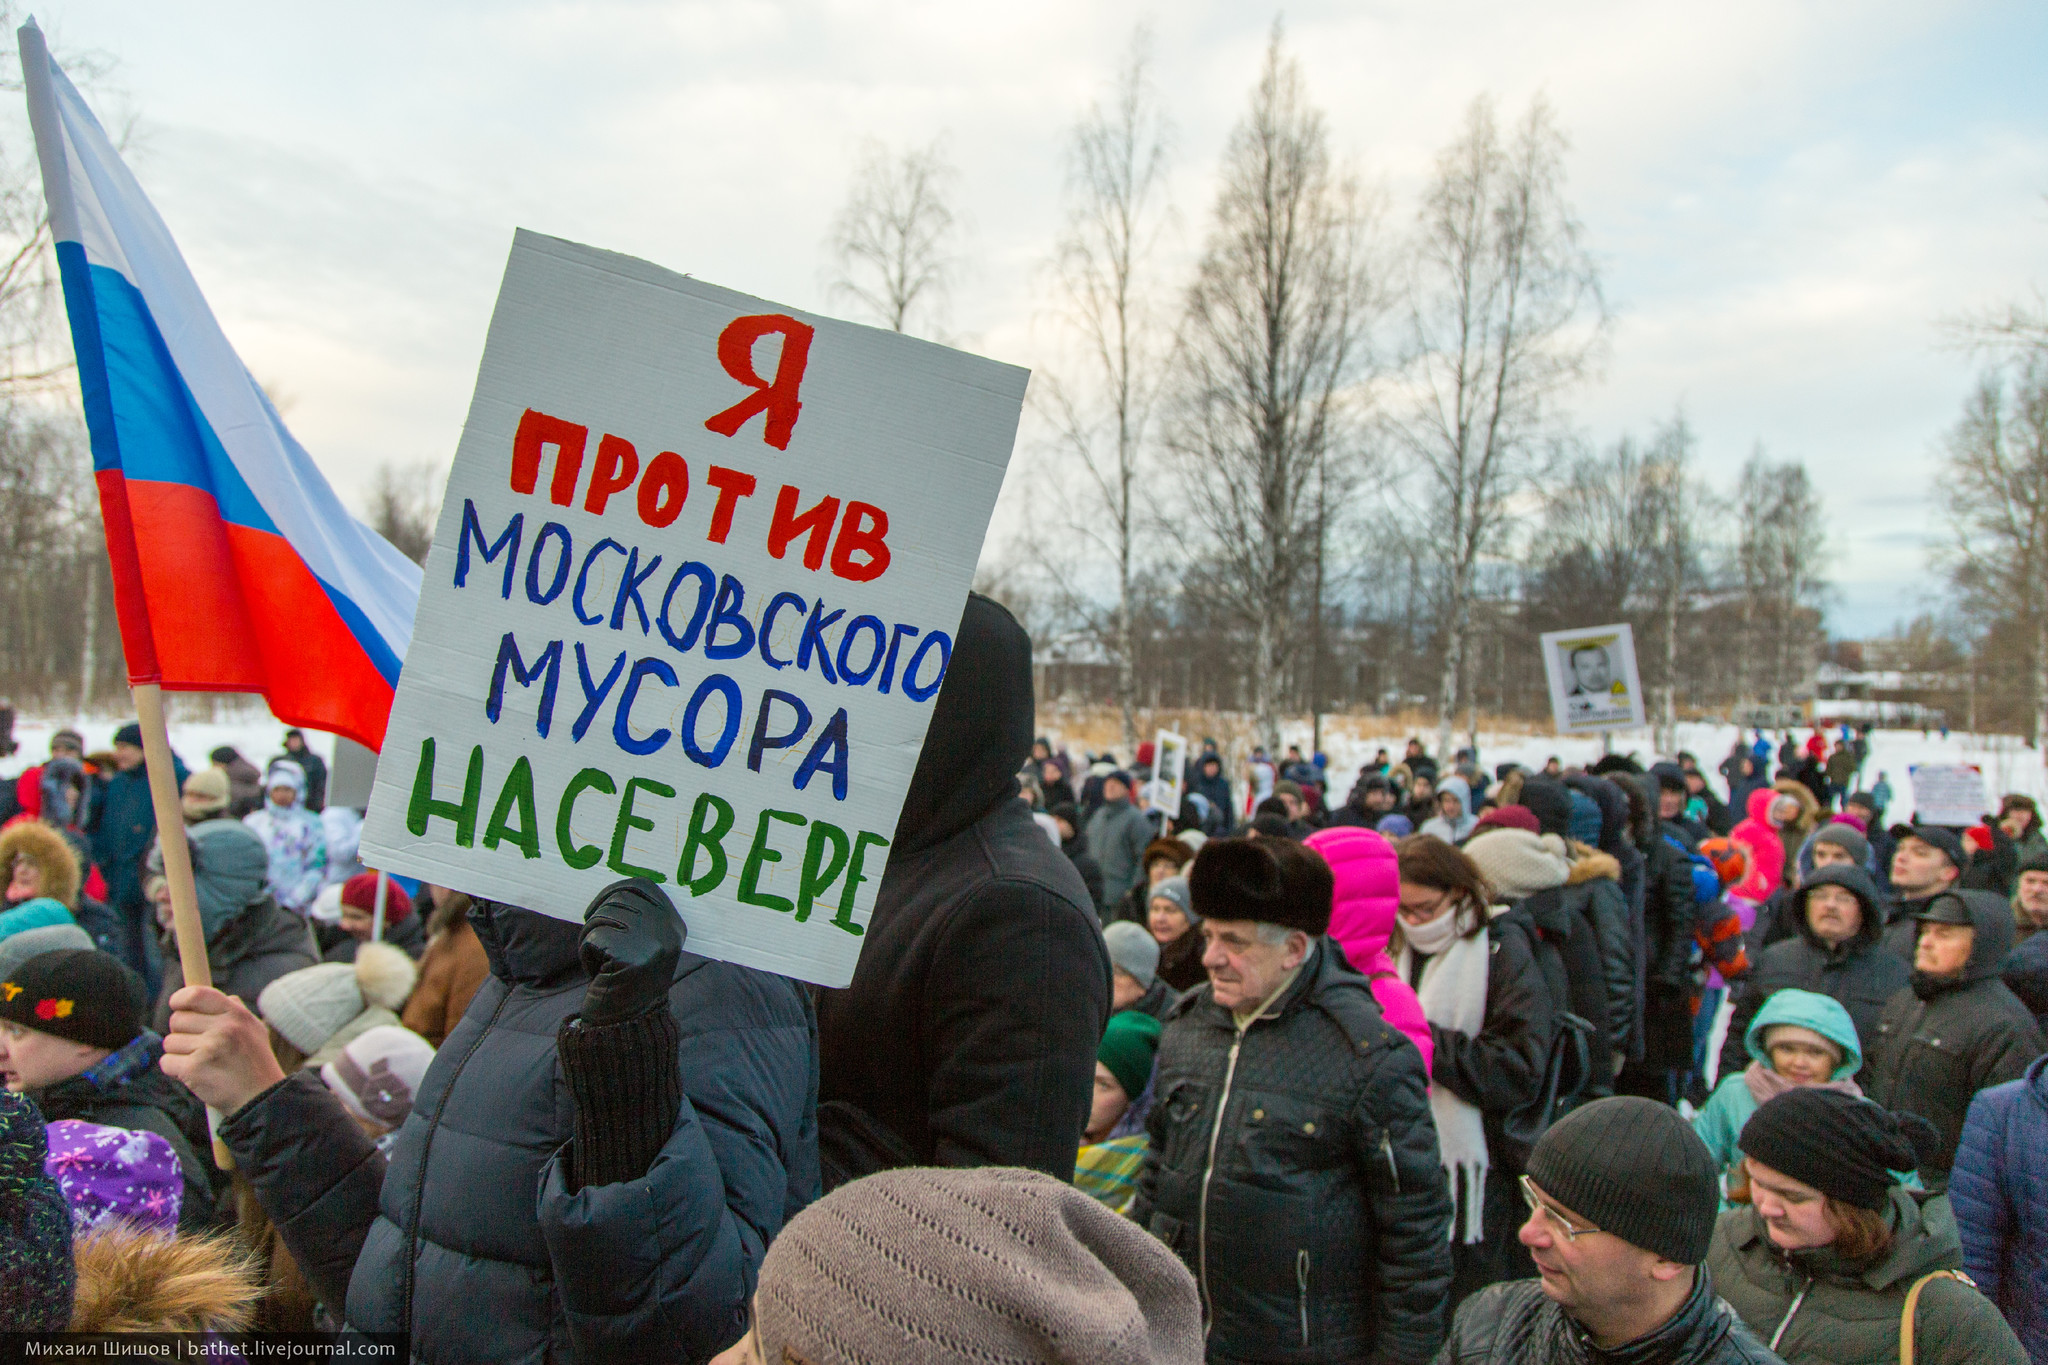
(1293, 1162)
(968, 1034)
(1621, 1200)
(593, 1167)
(1957, 1028)
(1837, 950)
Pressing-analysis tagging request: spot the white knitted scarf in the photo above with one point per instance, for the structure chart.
(1453, 996)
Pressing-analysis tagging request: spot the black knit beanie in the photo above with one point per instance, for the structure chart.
(1843, 1146)
(1272, 881)
(1633, 1167)
(81, 994)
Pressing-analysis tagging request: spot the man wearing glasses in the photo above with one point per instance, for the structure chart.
(1622, 1198)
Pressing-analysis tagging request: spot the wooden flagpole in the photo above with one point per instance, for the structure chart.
(170, 828)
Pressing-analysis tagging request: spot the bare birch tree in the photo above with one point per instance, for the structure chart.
(1274, 334)
(1101, 409)
(891, 244)
(1504, 314)
(1993, 493)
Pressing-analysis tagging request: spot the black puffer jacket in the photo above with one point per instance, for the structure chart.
(1559, 918)
(1500, 1069)
(1668, 914)
(1320, 1232)
(1861, 974)
(1603, 901)
(1518, 1324)
(1939, 1042)
(472, 1241)
(968, 1034)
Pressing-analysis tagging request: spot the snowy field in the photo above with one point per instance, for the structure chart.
(2008, 764)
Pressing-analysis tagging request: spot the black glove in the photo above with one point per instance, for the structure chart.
(632, 937)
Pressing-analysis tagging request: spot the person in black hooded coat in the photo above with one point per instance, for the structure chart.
(968, 1034)
(1945, 1037)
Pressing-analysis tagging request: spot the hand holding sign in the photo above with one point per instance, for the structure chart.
(699, 569)
(632, 939)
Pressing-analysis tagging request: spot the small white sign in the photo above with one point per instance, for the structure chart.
(1593, 681)
(1947, 793)
(696, 581)
(1169, 774)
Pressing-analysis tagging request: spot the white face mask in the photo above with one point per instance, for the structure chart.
(1435, 936)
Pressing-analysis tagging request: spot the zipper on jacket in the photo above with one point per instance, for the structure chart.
(1301, 1282)
(419, 1195)
(1387, 1151)
(1208, 1171)
(1797, 1299)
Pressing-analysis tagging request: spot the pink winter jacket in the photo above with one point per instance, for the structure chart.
(1758, 838)
(1368, 890)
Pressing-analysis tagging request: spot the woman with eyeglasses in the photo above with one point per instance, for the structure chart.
(1832, 1253)
(1489, 1023)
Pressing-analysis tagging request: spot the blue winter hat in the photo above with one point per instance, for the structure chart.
(39, 913)
(1583, 824)
(1395, 827)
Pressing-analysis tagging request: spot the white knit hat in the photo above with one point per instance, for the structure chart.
(379, 1072)
(1517, 863)
(312, 1004)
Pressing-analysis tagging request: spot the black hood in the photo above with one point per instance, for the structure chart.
(525, 946)
(1991, 916)
(980, 731)
(1613, 809)
(1859, 885)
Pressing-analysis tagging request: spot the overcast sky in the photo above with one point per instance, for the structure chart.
(1787, 198)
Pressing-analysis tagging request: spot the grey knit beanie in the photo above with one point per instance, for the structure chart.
(1633, 1167)
(1133, 950)
(992, 1265)
(1518, 864)
(16, 949)
(1176, 890)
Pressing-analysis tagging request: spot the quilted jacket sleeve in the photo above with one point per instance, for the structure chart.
(662, 1267)
(315, 1174)
(1977, 1188)
(1411, 1205)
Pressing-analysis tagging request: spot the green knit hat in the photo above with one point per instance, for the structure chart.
(1128, 1046)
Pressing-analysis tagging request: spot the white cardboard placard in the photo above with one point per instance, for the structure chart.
(1947, 793)
(1593, 681)
(739, 720)
(1169, 774)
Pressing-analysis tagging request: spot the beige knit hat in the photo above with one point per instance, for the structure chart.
(1517, 863)
(993, 1265)
(312, 1004)
(206, 794)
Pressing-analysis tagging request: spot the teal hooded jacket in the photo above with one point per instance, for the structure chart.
(1719, 1122)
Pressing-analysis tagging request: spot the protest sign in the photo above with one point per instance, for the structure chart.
(1947, 793)
(1593, 680)
(694, 587)
(1169, 774)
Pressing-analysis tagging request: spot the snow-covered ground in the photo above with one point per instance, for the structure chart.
(251, 729)
(2008, 764)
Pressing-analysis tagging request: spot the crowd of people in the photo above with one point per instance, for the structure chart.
(1431, 1072)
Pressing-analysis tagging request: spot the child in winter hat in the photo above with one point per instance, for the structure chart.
(1010, 1265)
(114, 1175)
(376, 1076)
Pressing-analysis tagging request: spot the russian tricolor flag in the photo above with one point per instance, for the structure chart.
(236, 568)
